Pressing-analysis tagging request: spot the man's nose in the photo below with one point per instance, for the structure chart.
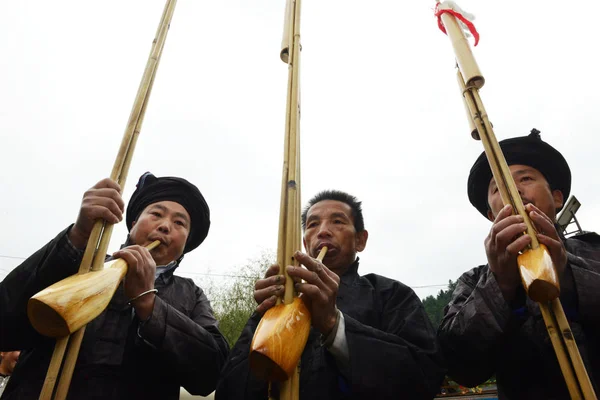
(324, 230)
(164, 226)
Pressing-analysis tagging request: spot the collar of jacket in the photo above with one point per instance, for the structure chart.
(166, 275)
(351, 273)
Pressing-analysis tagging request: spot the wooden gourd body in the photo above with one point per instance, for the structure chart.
(63, 308)
(279, 341)
(538, 274)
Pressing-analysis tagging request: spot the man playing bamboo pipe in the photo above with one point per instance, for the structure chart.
(145, 345)
(490, 326)
(370, 335)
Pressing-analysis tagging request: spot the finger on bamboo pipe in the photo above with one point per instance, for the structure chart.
(539, 275)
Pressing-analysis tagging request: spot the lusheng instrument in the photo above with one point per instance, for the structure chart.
(97, 246)
(283, 331)
(538, 273)
(61, 309)
(271, 357)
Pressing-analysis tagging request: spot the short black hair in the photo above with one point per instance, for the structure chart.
(338, 195)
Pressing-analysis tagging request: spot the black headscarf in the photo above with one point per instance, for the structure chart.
(150, 190)
(528, 150)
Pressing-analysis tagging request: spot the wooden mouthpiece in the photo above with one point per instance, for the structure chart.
(280, 338)
(63, 308)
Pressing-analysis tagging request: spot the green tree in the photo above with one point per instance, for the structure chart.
(434, 306)
(233, 303)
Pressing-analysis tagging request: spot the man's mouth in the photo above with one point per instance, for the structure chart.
(527, 201)
(329, 246)
(162, 241)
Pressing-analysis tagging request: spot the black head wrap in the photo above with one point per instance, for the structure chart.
(150, 190)
(528, 150)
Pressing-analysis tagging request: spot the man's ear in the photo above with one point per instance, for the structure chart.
(490, 215)
(559, 199)
(361, 240)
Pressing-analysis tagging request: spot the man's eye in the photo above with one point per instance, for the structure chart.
(338, 221)
(526, 178)
(311, 225)
(155, 213)
(180, 223)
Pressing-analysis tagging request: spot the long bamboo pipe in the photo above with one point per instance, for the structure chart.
(93, 257)
(63, 308)
(538, 273)
(276, 347)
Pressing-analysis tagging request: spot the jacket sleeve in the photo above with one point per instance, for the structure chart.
(193, 346)
(237, 381)
(402, 360)
(586, 275)
(55, 261)
(474, 323)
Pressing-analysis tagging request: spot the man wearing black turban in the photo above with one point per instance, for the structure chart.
(491, 326)
(157, 334)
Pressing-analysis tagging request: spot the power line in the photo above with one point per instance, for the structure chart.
(13, 257)
(252, 277)
(428, 286)
(220, 275)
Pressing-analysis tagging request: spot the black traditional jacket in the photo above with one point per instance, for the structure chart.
(120, 358)
(391, 342)
(481, 334)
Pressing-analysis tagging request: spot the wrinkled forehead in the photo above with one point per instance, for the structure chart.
(328, 208)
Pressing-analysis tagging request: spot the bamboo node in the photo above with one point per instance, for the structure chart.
(568, 335)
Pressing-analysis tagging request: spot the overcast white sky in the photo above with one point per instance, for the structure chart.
(381, 117)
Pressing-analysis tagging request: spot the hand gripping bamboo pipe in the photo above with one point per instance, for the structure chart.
(61, 309)
(538, 273)
(283, 331)
(93, 257)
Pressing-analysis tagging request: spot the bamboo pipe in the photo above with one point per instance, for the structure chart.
(268, 349)
(289, 237)
(535, 264)
(561, 355)
(571, 345)
(119, 173)
(286, 40)
(272, 357)
(464, 56)
(289, 217)
(461, 84)
(538, 274)
(63, 308)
